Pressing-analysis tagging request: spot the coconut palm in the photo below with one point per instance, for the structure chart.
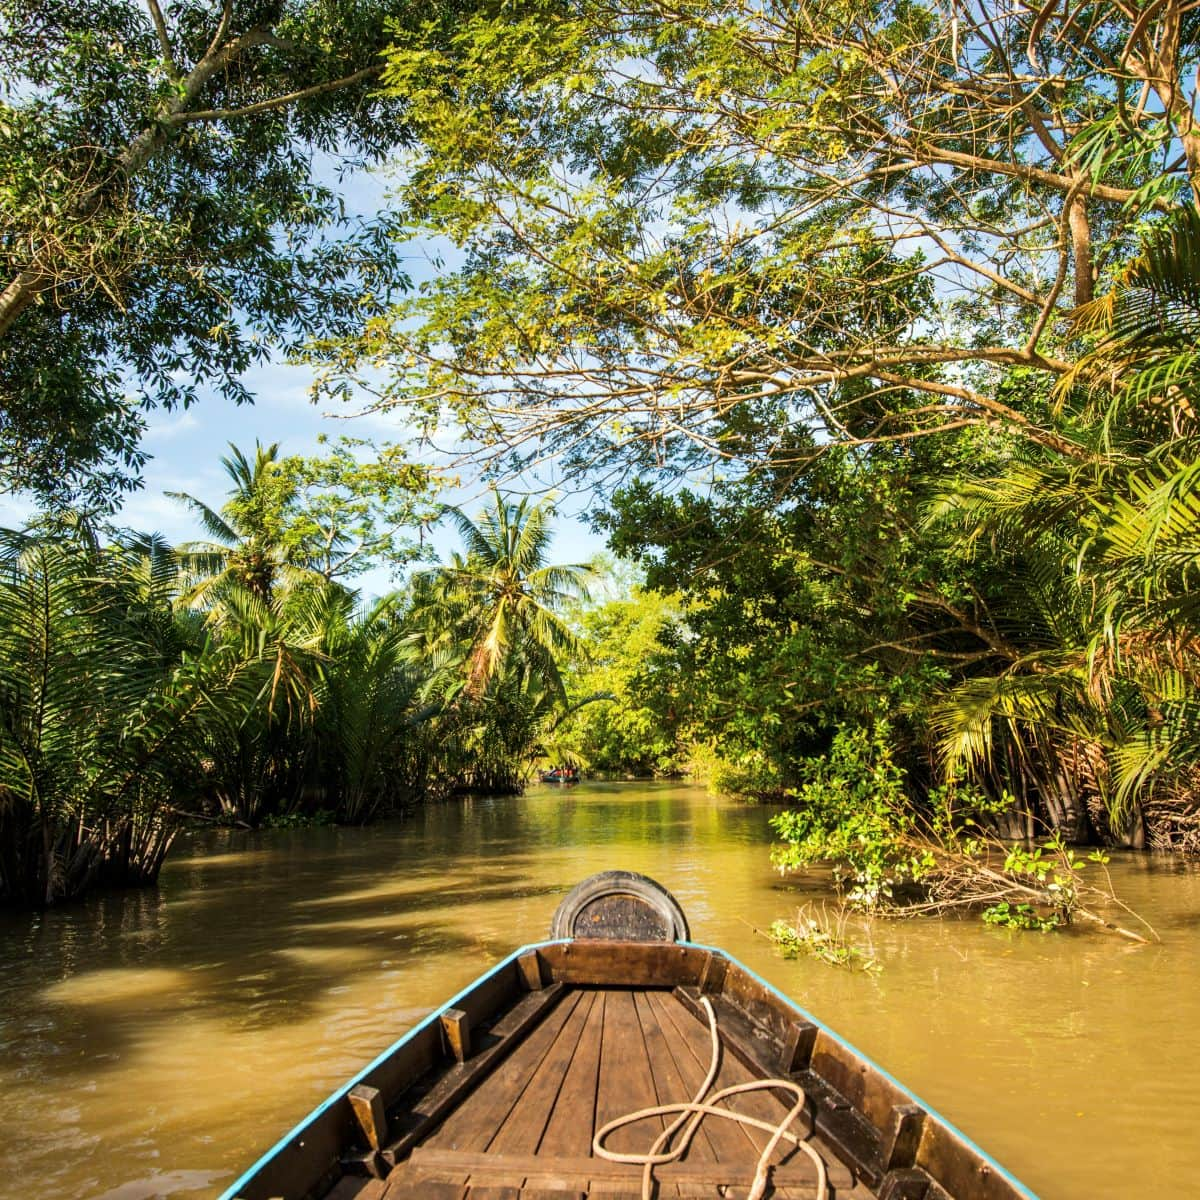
(491, 641)
(245, 545)
(501, 597)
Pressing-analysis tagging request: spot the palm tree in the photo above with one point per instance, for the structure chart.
(369, 708)
(1111, 692)
(490, 642)
(247, 546)
(501, 597)
(107, 716)
(1143, 374)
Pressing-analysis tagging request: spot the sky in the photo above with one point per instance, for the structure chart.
(186, 446)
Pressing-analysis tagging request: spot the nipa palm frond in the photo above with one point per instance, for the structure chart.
(1149, 327)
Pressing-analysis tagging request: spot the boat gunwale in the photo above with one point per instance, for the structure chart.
(234, 1189)
(949, 1125)
(231, 1193)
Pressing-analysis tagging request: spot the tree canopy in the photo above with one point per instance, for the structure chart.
(700, 233)
(170, 211)
(316, 518)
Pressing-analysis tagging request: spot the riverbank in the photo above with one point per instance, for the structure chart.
(155, 1041)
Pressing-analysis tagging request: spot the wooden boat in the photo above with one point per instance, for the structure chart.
(559, 775)
(519, 1087)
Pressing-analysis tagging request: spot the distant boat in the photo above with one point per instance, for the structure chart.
(560, 775)
(620, 1058)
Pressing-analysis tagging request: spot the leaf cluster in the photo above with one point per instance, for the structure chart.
(169, 216)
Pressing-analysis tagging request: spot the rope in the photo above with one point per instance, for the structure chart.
(692, 1112)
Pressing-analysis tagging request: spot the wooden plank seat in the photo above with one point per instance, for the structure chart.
(559, 1173)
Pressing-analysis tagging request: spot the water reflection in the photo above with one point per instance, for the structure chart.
(151, 1044)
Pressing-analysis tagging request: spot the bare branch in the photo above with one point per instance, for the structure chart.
(164, 39)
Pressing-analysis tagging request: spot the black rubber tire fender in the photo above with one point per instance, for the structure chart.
(620, 905)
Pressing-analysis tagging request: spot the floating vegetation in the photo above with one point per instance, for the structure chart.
(821, 936)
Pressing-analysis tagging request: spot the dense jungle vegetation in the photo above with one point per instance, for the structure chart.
(872, 328)
(235, 680)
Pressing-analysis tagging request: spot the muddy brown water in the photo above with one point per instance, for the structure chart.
(153, 1044)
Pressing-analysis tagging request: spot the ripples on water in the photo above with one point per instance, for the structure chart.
(152, 1044)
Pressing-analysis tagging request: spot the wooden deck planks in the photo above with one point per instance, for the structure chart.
(668, 1081)
(692, 1050)
(474, 1123)
(523, 1127)
(737, 1143)
(521, 1131)
(764, 1105)
(627, 1081)
(732, 1142)
(571, 1123)
(527, 1133)
(557, 1173)
(406, 1184)
(413, 1124)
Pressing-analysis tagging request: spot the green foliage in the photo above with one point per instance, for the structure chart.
(1057, 871)
(699, 282)
(1147, 327)
(785, 221)
(1017, 615)
(1019, 916)
(295, 820)
(805, 602)
(355, 505)
(852, 810)
(164, 217)
(633, 732)
(748, 773)
(501, 597)
(892, 855)
(366, 731)
(108, 714)
(809, 936)
(490, 632)
(141, 687)
(308, 520)
(246, 547)
(750, 282)
(1097, 700)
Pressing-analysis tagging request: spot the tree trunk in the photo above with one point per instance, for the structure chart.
(1081, 249)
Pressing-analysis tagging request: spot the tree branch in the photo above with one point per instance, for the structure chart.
(164, 39)
(320, 89)
(222, 28)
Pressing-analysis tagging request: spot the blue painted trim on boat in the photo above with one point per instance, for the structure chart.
(231, 1193)
(933, 1112)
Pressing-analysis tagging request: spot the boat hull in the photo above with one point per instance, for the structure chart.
(398, 1128)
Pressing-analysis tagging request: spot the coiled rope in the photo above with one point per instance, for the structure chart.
(689, 1114)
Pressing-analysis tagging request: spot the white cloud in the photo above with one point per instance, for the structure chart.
(167, 426)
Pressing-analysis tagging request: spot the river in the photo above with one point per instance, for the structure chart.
(153, 1043)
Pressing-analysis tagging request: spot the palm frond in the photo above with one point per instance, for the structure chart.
(212, 522)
